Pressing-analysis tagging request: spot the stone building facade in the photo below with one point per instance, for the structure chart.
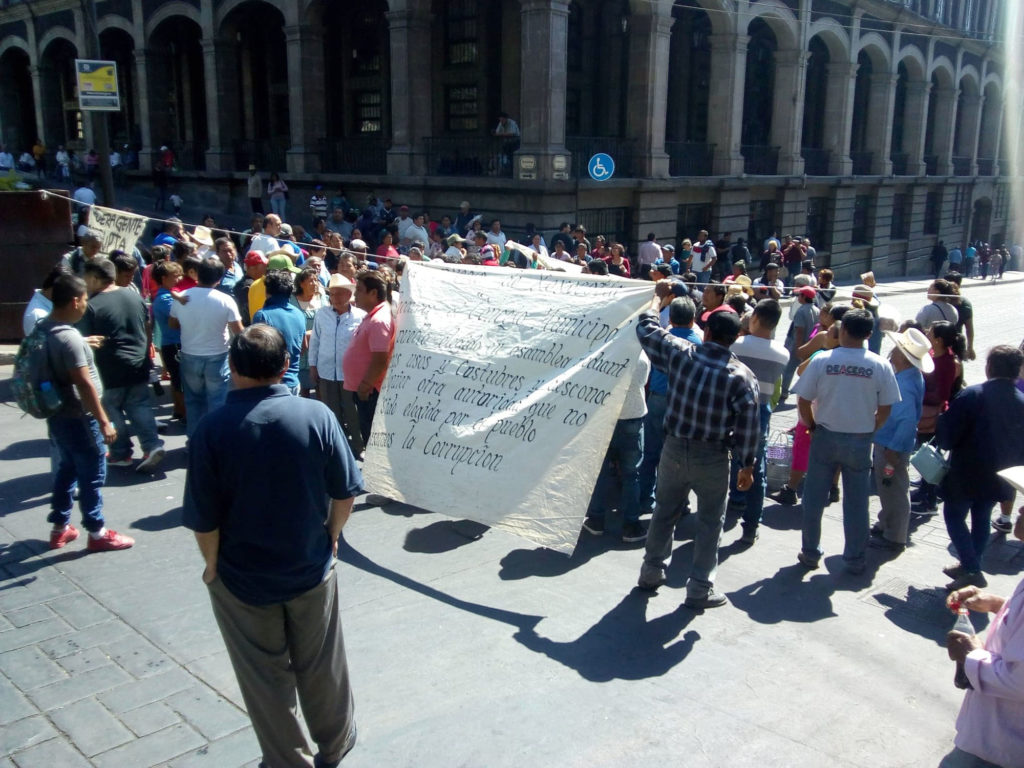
(875, 127)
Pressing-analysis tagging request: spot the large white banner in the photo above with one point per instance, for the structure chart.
(502, 395)
(116, 229)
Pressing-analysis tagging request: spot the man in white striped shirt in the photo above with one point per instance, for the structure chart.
(767, 359)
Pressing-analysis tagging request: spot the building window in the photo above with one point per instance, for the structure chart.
(819, 224)
(761, 224)
(574, 43)
(369, 111)
(1002, 202)
(460, 31)
(366, 51)
(614, 223)
(959, 203)
(900, 227)
(461, 109)
(861, 220)
(932, 211)
(691, 218)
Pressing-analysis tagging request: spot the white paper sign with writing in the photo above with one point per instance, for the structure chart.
(116, 229)
(502, 395)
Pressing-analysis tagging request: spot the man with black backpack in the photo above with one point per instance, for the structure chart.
(67, 381)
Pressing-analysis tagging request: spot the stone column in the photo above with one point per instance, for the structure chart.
(220, 79)
(306, 119)
(945, 126)
(915, 125)
(545, 31)
(37, 97)
(728, 65)
(973, 105)
(647, 108)
(842, 83)
(145, 128)
(881, 105)
(410, 90)
(788, 111)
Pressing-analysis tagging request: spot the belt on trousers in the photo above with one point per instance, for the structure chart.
(719, 443)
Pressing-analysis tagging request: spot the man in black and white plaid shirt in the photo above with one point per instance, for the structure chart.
(712, 407)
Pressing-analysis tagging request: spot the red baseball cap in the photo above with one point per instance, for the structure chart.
(255, 257)
(807, 292)
(720, 308)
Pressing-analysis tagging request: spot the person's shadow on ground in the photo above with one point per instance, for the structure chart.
(623, 645)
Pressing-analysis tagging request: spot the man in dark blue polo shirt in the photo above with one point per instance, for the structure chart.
(269, 540)
(279, 312)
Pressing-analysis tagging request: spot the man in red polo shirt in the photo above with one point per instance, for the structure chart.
(366, 359)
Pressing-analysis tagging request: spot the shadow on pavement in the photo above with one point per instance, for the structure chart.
(443, 536)
(623, 645)
(23, 558)
(543, 562)
(161, 522)
(23, 492)
(788, 595)
(26, 449)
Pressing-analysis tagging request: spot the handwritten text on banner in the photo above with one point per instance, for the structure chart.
(502, 395)
(116, 229)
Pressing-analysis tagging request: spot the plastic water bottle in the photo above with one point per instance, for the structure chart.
(49, 395)
(963, 624)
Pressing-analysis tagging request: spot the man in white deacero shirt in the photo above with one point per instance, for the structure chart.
(854, 390)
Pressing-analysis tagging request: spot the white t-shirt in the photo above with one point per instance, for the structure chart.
(264, 243)
(414, 233)
(204, 321)
(634, 404)
(849, 385)
(704, 257)
(497, 239)
(85, 196)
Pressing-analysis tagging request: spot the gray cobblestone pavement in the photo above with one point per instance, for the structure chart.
(469, 647)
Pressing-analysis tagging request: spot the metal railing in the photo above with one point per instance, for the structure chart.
(931, 165)
(986, 166)
(862, 162)
(266, 154)
(961, 166)
(816, 161)
(760, 160)
(585, 147)
(469, 155)
(690, 158)
(354, 155)
(900, 163)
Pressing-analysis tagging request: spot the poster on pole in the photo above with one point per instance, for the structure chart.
(116, 229)
(97, 85)
(502, 395)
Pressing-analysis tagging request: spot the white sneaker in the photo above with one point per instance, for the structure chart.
(150, 460)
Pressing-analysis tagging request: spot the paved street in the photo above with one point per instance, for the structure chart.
(469, 647)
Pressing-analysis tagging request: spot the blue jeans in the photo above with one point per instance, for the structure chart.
(205, 380)
(654, 439)
(135, 402)
(752, 499)
(704, 467)
(626, 449)
(790, 371)
(969, 543)
(278, 206)
(850, 452)
(704, 277)
(82, 458)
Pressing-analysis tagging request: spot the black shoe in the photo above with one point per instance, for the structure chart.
(954, 570)
(750, 535)
(633, 532)
(880, 542)
(811, 563)
(967, 579)
(1002, 526)
(712, 599)
(876, 530)
(833, 494)
(786, 496)
(594, 525)
(924, 509)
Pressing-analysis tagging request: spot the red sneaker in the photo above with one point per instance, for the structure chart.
(111, 540)
(59, 538)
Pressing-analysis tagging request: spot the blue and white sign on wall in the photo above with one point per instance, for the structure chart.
(601, 167)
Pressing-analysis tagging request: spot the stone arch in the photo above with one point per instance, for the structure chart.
(13, 41)
(874, 45)
(914, 61)
(719, 12)
(170, 10)
(17, 98)
(943, 70)
(112, 21)
(779, 18)
(990, 131)
(969, 76)
(290, 11)
(834, 36)
(57, 33)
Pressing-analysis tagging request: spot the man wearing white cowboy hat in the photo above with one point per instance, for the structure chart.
(894, 441)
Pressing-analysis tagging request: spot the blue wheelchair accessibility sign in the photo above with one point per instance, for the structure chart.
(601, 167)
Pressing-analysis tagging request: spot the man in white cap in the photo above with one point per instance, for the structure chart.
(894, 441)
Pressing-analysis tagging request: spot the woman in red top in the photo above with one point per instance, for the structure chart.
(618, 264)
(948, 348)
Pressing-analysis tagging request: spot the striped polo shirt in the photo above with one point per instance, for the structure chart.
(766, 358)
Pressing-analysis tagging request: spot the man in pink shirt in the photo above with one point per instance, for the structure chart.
(366, 359)
(990, 727)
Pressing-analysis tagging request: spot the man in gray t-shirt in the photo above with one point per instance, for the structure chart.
(81, 430)
(852, 391)
(799, 332)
